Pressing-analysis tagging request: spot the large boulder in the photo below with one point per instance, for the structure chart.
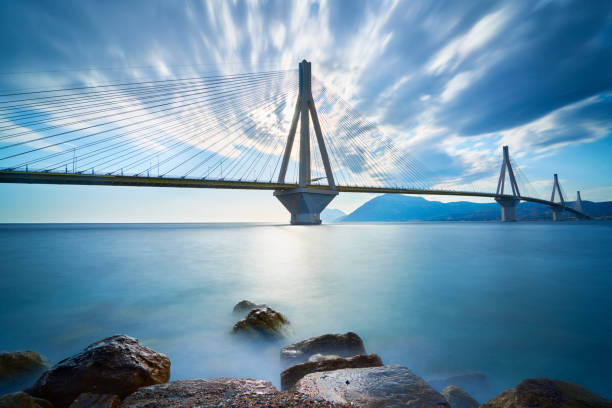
(116, 365)
(545, 393)
(345, 345)
(22, 400)
(262, 323)
(195, 393)
(387, 386)
(19, 369)
(293, 374)
(457, 398)
(476, 384)
(245, 306)
(91, 400)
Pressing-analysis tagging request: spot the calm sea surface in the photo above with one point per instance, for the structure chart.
(512, 301)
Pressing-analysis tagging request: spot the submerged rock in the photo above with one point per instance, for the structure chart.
(22, 400)
(19, 364)
(264, 323)
(245, 306)
(293, 374)
(91, 400)
(194, 393)
(545, 393)
(322, 357)
(344, 345)
(116, 365)
(476, 384)
(387, 386)
(457, 398)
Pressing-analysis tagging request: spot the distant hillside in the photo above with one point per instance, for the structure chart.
(332, 215)
(395, 207)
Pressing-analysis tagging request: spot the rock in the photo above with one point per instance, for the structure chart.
(116, 365)
(387, 386)
(22, 400)
(91, 400)
(475, 384)
(16, 363)
(457, 398)
(264, 323)
(193, 393)
(545, 393)
(293, 374)
(345, 345)
(245, 306)
(321, 357)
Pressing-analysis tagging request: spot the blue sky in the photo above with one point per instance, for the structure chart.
(449, 82)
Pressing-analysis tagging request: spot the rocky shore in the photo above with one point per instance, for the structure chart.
(331, 370)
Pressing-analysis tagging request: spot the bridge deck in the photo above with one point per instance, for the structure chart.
(117, 180)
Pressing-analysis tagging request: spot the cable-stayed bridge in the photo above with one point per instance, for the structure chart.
(279, 130)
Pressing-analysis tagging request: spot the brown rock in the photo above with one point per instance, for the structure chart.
(19, 363)
(293, 374)
(374, 387)
(345, 345)
(245, 306)
(91, 400)
(322, 357)
(263, 323)
(22, 400)
(457, 398)
(545, 393)
(116, 365)
(193, 393)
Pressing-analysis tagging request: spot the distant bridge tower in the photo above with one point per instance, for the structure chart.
(507, 202)
(306, 203)
(557, 210)
(579, 206)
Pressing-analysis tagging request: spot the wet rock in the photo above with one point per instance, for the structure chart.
(387, 386)
(91, 400)
(475, 384)
(116, 365)
(193, 393)
(263, 323)
(245, 306)
(22, 400)
(344, 345)
(293, 374)
(18, 365)
(545, 393)
(322, 357)
(457, 398)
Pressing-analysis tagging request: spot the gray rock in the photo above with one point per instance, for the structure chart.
(322, 357)
(293, 374)
(263, 323)
(475, 384)
(116, 365)
(344, 345)
(18, 363)
(22, 400)
(457, 398)
(91, 400)
(545, 393)
(245, 306)
(376, 387)
(194, 393)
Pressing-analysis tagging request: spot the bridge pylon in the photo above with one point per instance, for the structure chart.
(508, 202)
(305, 203)
(556, 209)
(579, 206)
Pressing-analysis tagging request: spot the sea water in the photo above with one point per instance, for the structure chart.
(511, 301)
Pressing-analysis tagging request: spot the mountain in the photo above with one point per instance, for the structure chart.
(332, 215)
(395, 207)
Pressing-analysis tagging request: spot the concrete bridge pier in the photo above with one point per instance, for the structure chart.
(508, 208)
(557, 213)
(305, 204)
